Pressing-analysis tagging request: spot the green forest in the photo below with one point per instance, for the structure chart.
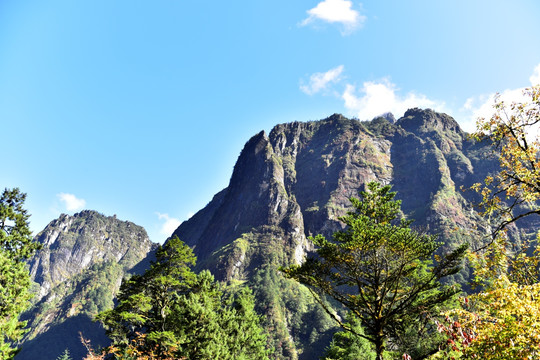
(379, 288)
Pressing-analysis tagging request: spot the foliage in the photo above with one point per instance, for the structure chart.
(135, 350)
(16, 245)
(292, 311)
(15, 235)
(380, 269)
(514, 191)
(346, 345)
(65, 355)
(171, 310)
(501, 321)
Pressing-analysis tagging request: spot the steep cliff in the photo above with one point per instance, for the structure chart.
(289, 184)
(77, 273)
(296, 182)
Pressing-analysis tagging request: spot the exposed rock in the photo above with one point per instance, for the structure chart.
(297, 182)
(78, 271)
(287, 185)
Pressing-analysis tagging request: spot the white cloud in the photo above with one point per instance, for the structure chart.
(482, 106)
(320, 81)
(469, 103)
(170, 224)
(71, 202)
(377, 98)
(535, 77)
(336, 11)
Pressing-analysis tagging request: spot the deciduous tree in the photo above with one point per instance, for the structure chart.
(514, 191)
(500, 323)
(501, 320)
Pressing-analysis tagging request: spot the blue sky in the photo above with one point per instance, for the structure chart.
(141, 108)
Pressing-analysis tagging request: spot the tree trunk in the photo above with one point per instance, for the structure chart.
(379, 345)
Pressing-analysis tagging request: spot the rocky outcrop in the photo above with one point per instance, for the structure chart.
(77, 272)
(299, 178)
(297, 181)
(71, 244)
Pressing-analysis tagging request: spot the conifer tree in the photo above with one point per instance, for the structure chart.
(347, 345)
(171, 312)
(380, 269)
(16, 246)
(65, 355)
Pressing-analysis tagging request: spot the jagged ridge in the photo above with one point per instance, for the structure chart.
(78, 271)
(296, 182)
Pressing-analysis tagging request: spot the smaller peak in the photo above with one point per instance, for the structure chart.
(88, 214)
(417, 112)
(260, 134)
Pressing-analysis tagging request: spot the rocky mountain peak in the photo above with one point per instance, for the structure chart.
(336, 117)
(79, 270)
(424, 120)
(252, 154)
(297, 182)
(73, 243)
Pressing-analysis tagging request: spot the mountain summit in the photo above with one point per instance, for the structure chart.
(297, 181)
(78, 272)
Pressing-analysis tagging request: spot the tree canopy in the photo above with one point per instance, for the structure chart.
(16, 245)
(347, 345)
(171, 312)
(501, 320)
(380, 269)
(514, 191)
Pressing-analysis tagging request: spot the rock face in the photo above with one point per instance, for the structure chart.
(72, 243)
(296, 182)
(78, 271)
(286, 185)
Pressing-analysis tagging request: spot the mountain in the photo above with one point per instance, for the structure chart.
(297, 181)
(78, 272)
(287, 185)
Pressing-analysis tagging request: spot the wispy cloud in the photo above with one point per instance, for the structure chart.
(320, 81)
(379, 97)
(535, 77)
(71, 202)
(170, 224)
(336, 11)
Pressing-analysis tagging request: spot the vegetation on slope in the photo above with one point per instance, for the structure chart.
(172, 312)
